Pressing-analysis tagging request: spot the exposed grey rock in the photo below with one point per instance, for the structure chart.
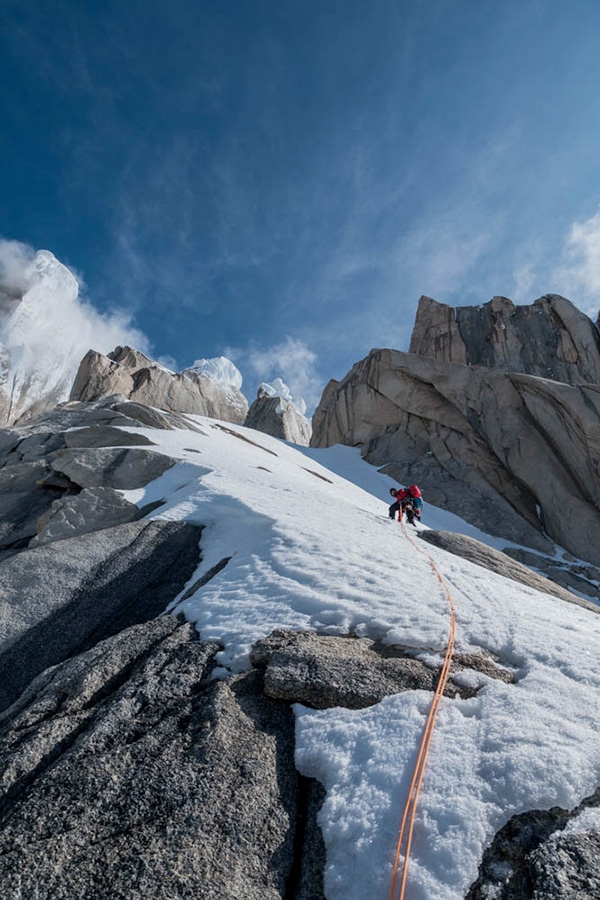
(501, 563)
(568, 573)
(128, 775)
(532, 858)
(26, 495)
(131, 375)
(90, 510)
(58, 599)
(310, 885)
(279, 418)
(105, 436)
(495, 448)
(551, 338)
(123, 469)
(22, 476)
(567, 867)
(154, 418)
(78, 415)
(322, 671)
(32, 447)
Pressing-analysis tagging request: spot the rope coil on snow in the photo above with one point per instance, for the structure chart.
(410, 808)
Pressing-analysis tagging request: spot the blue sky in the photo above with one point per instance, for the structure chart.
(280, 180)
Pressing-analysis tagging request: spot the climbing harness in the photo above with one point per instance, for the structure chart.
(408, 817)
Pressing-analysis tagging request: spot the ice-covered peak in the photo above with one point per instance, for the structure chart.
(220, 369)
(278, 388)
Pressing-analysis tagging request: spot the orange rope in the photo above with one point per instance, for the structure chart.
(410, 809)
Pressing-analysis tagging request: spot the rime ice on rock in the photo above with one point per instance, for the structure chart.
(219, 369)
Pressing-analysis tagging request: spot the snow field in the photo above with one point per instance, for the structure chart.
(311, 551)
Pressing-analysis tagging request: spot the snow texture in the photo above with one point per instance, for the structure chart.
(310, 550)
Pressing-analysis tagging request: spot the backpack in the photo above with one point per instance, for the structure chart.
(413, 490)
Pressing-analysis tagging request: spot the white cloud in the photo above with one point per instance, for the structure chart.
(578, 275)
(290, 359)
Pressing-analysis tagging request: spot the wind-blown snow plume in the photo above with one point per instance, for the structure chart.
(45, 330)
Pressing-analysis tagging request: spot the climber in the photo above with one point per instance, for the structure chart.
(409, 501)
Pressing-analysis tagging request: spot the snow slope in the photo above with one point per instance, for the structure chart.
(310, 550)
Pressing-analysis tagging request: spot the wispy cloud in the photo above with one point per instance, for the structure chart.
(291, 360)
(578, 274)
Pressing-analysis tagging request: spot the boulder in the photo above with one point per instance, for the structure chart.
(91, 510)
(322, 671)
(130, 375)
(550, 338)
(279, 418)
(105, 436)
(535, 857)
(123, 469)
(26, 495)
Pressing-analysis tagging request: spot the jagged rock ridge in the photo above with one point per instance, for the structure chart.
(133, 375)
(550, 338)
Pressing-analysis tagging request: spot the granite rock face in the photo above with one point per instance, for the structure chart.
(127, 773)
(514, 454)
(132, 375)
(279, 418)
(57, 599)
(46, 464)
(551, 338)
